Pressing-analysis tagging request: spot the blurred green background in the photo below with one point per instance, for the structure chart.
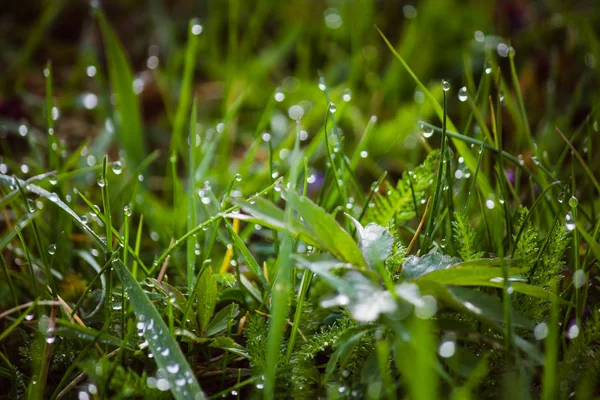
(249, 49)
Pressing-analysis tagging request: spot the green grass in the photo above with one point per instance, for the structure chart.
(274, 205)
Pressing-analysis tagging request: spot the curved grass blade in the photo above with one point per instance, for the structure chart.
(167, 354)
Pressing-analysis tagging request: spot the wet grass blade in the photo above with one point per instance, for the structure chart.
(463, 150)
(129, 122)
(167, 354)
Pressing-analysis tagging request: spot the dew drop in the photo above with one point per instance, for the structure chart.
(90, 71)
(101, 181)
(447, 349)
(52, 249)
(573, 331)
(296, 112)
(347, 95)
(196, 28)
(490, 204)
(462, 94)
(573, 202)
(23, 130)
(279, 95)
(569, 222)
(127, 211)
(364, 154)
(52, 179)
(579, 278)
(173, 368)
(117, 167)
(445, 85)
(238, 177)
(427, 131)
(561, 197)
(540, 331)
(332, 108)
(322, 85)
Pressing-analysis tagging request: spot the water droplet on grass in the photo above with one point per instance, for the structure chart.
(117, 167)
(445, 85)
(127, 211)
(347, 96)
(579, 278)
(573, 202)
(573, 331)
(89, 101)
(322, 85)
(462, 94)
(427, 131)
(279, 95)
(173, 368)
(447, 349)
(569, 222)
(332, 108)
(23, 130)
(296, 112)
(364, 154)
(540, 331)
(90, 71)
(490, 204)
(196, 28)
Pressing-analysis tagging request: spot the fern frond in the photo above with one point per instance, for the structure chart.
(399, 202)
(465, 237)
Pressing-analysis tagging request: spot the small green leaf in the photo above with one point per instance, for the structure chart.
(375, 242)
(221, 320)
(207, 297)
(415, 266)
(326, 229)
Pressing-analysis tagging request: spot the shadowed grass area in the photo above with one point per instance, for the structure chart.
(258, 199)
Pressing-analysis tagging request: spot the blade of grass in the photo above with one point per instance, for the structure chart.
(463, 150)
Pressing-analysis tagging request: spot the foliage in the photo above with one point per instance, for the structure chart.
(289, 244)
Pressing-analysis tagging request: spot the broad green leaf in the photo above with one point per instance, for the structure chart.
(265, 213)
(375, 242)
(227, 343)
(326, 229)
(415, 266)
(221, 320)
(207, 297)
(482, 306)
(128, 120)
(468, 275)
